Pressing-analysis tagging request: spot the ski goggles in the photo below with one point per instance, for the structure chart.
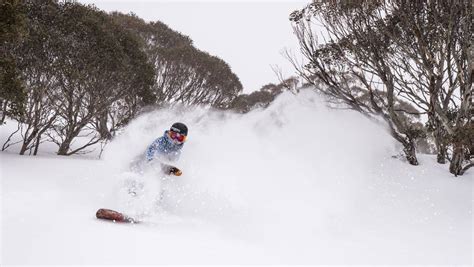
(177, 136)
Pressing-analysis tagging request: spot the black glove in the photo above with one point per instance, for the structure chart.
(175, 171)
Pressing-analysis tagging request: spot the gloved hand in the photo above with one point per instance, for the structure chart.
(175, 171)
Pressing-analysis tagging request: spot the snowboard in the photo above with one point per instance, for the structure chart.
(115, 216)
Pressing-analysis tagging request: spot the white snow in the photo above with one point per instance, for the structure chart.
(297, 183)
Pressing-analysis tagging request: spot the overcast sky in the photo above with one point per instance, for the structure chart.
(248, 35)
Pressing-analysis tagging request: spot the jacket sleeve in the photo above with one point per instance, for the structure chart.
(152, 149)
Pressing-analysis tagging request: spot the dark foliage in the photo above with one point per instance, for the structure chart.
(12, 30)
(263, 97)
(183, 74)
(70, 70)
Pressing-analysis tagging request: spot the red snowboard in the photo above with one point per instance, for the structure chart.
(115, 216)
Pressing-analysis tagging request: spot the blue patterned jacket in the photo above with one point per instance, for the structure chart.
(164, 147)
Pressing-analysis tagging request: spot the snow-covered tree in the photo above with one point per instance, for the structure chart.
(392, 52)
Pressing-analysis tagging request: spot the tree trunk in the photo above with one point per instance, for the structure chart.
(64, 147)
(102, 126)
(440, 137)
(410, 152)
(3, 112)
(441, 155)
(441, 146)
(27, 141)
(23, 149)
(38, 139)
(458, 157)
(408, 143)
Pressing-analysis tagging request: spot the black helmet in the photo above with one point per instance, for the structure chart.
(180, 128)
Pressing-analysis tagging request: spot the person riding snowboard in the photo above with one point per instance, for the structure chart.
(168, 148)
(143, 191)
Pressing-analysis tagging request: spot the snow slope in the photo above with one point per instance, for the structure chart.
(297, 183)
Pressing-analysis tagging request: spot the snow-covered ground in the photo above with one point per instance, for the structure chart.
(297, 183)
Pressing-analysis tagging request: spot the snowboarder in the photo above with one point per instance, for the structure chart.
(167, 148)
(158, 158)
(141, 183)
